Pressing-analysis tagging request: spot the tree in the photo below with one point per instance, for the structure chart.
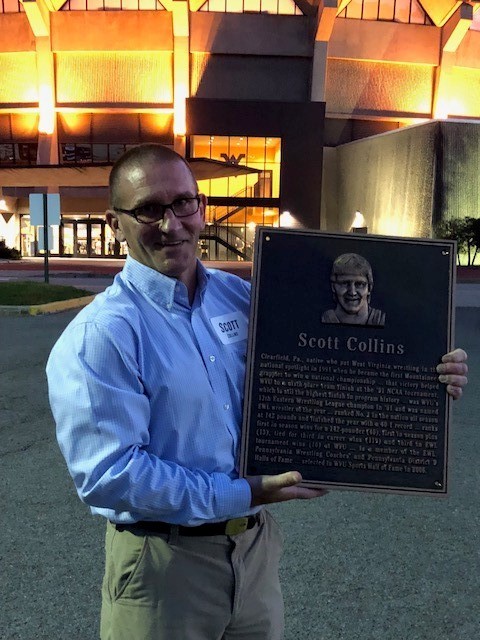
(466, 231)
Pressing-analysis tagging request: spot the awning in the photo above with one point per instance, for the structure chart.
(205, 169)
(97, 175)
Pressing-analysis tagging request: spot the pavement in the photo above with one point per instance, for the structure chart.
(356, 566)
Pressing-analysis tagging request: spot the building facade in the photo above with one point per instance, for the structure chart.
(259, 94)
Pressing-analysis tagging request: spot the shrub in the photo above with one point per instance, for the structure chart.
(9, 252)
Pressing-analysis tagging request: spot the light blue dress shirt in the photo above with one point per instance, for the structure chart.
(147, 398)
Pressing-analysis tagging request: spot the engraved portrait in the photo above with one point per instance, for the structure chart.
(351, 283)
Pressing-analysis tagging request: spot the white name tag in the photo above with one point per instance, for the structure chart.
(231, 327)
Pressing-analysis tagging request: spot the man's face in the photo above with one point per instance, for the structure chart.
(168, 246)
(351, 291)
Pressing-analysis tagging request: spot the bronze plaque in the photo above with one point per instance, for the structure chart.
(345, 334)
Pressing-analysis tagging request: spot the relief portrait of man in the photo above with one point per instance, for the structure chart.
(351, 281)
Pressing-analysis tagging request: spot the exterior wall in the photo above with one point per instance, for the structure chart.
(111, 31)
(387, 41)
(20, 36)
(258, 35)
(330, 211)
(379, 88)
(114, 77)
(299, 125)
(390, 179)
(251, 78)
(468, 51)
(17, 71)
(458, 166)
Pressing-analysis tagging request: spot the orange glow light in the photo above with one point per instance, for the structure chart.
(180, 111)
(46, 107)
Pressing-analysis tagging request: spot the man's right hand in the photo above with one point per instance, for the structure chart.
(280, 488)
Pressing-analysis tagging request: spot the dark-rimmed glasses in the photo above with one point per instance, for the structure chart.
(152, 212)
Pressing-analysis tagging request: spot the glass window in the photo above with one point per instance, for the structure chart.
(370, 10)
(7, 155)
(147, 5)
(234, 6)
(252, 5)
(216, 5)
(269, 6)
(11, 6)
(100, 152)
(253, 165)
(83, 153)
(94, 5)
(230, 231)
(417, 14)
(386, 10)
(115, 151)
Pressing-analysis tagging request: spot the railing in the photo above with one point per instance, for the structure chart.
(219, 242)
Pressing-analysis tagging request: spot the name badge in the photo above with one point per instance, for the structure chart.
(231, 327)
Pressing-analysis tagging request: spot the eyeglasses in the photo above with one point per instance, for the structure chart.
(154, 212)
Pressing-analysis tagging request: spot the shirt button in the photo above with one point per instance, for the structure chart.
(226, 406)
(212, 358)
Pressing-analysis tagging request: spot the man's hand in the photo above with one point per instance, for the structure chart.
(453, 372)
(280, 488)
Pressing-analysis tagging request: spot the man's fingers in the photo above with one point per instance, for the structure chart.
(288, 479)
(280, 488)
(455, 392)
(453, 372)
(457, 355)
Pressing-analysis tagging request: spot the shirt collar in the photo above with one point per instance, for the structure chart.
(160, 288)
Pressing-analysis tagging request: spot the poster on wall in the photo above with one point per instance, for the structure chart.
(345, 333)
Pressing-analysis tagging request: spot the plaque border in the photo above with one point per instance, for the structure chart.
(261, 234)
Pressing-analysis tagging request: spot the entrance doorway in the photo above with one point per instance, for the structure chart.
(83, 239)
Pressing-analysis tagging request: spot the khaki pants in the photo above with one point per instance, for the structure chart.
(171, 587)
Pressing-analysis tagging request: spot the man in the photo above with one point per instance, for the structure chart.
(147, 399)
(351, 281)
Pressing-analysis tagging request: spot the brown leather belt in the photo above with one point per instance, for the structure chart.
(227, 528)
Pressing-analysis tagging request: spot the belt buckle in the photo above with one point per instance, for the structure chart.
(236, 526)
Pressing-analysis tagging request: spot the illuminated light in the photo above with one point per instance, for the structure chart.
(287, 220)
(3, 205)
(252, 226)
(359, 225)
(180, 111)
(46, 123)
(449, 107)
(358, 221)
(121, 76)
(269, 212)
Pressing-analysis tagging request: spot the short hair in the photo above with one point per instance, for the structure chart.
(352, 263)
(142, 154)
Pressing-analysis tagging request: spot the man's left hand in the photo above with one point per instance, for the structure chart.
(453, 372)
